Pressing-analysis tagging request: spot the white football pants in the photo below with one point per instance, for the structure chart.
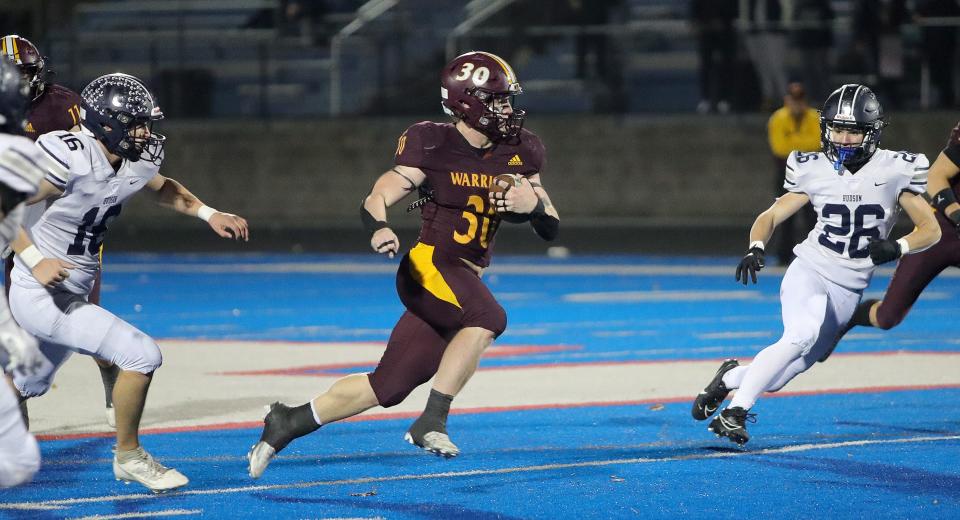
(64, 322)
(19, 454)
(814, 311)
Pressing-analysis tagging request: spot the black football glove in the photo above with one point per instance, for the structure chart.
(883, 251)
(751, 263)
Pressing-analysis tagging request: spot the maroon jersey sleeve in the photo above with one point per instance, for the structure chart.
(57, 109)
(536, 152)
(415, 141)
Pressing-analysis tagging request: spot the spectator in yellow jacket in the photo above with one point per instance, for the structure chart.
(794, 126)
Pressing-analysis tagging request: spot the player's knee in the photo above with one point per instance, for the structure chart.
(887, 320)
(20, 467)
(392, 390)
(145, 358)
(389, 395)
(32, 385)
(799, 344)
(391, 399)
(493, 318)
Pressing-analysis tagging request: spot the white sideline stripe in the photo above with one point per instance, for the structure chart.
(168, 512)
(359, 268)
(473, 473)
(660, 296)
(363, 268)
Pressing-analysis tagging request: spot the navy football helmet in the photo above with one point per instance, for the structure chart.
(854, 108)
(117, 108)
(14, 98)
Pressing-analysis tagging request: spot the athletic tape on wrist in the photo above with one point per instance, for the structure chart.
(205, 212)
(904, 246)
(31, 256)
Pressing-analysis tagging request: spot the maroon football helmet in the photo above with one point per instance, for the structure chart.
(28, 58)
(476, 87)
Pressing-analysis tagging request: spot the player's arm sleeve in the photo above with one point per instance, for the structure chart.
(410, 146)
(917, 176)
(58, 157)
(792, 175)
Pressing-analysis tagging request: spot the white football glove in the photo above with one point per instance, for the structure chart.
(19, 351)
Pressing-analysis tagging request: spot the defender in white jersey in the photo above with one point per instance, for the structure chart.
(856, 191)
(99, 168)
(22, 167)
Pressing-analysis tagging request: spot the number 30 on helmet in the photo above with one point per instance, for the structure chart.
(478, 88)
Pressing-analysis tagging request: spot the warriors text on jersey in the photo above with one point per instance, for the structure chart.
(72, 228)
(852, 209)
(458, 218)
(58, 108)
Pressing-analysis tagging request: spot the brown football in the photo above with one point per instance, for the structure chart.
(495, 187)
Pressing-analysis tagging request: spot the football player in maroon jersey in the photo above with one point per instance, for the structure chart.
(451, 316)
(915, 272)
(52, 107)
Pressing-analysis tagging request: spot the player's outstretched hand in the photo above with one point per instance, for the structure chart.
(750, 263)
(883, 251)
(385, 241)
(229, 225)
(51, 272)
(519, 198)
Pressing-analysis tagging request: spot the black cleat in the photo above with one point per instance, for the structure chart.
(431, 436)
(278, 428)
(708, 401)
(276, 435)
(731, 423)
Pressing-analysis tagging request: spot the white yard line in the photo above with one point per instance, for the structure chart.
(68, 502)
(150, 514)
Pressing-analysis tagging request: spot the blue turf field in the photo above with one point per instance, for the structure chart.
(839, 455)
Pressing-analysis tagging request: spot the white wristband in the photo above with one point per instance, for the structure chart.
(904, 246)
(756, 243)
(205, 212)
(31, 256)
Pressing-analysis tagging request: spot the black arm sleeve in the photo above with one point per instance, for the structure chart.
(546, 226)
(370, 223)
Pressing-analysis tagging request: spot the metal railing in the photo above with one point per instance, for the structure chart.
(366, 14)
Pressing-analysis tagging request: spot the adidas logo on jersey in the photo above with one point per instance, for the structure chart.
(30, 128)
(515, 161)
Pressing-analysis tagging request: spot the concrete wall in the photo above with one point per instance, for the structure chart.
(667, 171)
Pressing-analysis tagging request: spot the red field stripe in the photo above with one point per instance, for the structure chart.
(496, 409)
(503, 351)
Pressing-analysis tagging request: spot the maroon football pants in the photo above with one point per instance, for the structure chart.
(915, 272)
(442, 296)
